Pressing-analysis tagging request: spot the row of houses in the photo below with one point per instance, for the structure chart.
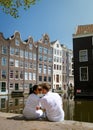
(25, 63)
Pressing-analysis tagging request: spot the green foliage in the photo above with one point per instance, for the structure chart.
(12, 6)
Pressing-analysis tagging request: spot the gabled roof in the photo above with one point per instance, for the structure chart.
(53, 42)
(84, 29)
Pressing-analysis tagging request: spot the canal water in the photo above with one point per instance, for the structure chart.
(74, 110)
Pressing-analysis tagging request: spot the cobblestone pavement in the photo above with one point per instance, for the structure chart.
(9, 121)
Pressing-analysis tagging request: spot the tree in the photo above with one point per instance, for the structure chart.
(12, 6)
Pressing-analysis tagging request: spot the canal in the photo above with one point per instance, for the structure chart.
(74, 110)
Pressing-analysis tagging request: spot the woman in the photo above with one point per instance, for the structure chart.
(30, 110)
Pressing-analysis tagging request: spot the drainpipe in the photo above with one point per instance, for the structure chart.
(8, 79)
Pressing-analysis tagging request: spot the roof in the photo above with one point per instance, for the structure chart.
(53, 42)
(84, 29)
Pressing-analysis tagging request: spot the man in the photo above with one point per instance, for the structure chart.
(52, 104)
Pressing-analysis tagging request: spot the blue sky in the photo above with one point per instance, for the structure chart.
(57, 18)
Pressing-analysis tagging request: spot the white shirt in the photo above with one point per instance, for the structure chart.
(30, 111)
(52, 102)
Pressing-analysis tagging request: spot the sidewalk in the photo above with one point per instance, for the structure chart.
(9, 121)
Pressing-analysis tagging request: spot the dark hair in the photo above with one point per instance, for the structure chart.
(46, 86)
(32, 89)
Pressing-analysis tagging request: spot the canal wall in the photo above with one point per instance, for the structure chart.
(9, 121)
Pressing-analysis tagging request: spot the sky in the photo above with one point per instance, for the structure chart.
(57, 18)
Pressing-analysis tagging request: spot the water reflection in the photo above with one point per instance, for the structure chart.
(74, 110)
(12, 104)
(78, 110)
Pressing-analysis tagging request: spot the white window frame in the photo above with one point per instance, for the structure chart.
(83, 55)
(82, 77)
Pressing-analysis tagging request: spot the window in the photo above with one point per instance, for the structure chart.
(4, 61)
(16, 51)
(26, 76)
(3, 87)
(46, 41)
(45, 51)
(49, 79)
(50, 60)
(45, 78)
(45, 69)
(54, 58)
(54, 66)
(45, 58)
(57, 59)
(49, 70)
(26, 54)
(83, 73)
(40, 78)
(21, 75)
(4, 49)
(30, 55)
(57, 67)
(54, 51)
(40, 68)
(34, 66)
(57, 52)
(12, 52)
(34, 56)
(40, 58)
(21, 64)
(30, 76)
(30, 46)
(11, 73)
(26, 64)
(40, 49)
(83, 55)
(11, 85)
(17, 42)
(21, 53)
(16, 63)
(16, 74)
(34, 76)
(57, 45)
(57, 78)
(11, 62)
(30, 65)
(3, 74)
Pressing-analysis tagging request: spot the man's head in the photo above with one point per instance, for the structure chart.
(45, 88)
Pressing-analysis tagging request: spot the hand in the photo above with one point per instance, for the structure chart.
(37, 107)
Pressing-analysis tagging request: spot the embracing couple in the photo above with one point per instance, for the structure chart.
(49, 106)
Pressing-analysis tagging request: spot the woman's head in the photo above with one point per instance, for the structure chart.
(36, 89)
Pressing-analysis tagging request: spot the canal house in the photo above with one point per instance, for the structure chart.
(17, 64)
(24, 63)
(83, 61)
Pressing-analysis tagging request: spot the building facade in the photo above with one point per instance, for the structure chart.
(25, 63)
(62, 66)
(18, 64)
(83, 61)
(57, 65)
(44, 60)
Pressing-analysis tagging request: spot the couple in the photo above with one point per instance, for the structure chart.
(50, 103)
